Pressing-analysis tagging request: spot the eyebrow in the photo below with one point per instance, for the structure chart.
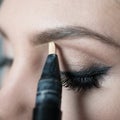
(67, 32)
(71, 32)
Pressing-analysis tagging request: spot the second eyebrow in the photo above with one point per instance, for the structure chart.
(71, 32)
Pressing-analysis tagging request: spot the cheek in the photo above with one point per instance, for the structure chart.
(103, 104)
(103, 107)
(71, 107)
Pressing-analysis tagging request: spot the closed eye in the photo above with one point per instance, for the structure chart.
(84, 79)
(5, 61)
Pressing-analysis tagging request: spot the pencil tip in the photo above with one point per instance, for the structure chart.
(51, 48)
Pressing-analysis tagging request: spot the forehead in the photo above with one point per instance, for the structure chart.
(25, 16)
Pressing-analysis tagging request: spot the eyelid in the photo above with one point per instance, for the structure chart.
(93, 69)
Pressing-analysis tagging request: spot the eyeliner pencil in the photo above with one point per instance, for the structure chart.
(48, 100)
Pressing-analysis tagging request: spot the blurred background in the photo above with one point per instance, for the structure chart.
(0, 46)
(0, 57)
(6, 58)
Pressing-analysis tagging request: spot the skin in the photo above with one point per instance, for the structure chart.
(21, 18)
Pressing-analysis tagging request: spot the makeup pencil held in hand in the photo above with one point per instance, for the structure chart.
(48, 100)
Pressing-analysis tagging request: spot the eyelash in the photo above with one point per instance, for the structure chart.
(85, 79)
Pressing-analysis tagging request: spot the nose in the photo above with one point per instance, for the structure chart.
(17, 97)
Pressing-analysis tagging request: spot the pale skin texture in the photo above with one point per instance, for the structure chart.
(21, 18)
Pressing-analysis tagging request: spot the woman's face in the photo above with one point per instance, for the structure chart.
(86, 33)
